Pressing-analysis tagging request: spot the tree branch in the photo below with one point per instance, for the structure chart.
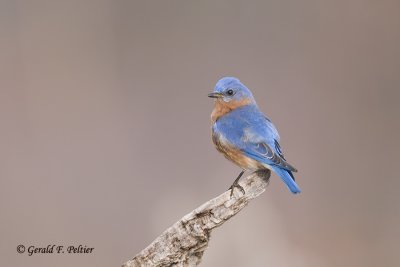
(184, 243)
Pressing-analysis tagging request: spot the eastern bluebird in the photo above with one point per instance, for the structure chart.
(244, 135)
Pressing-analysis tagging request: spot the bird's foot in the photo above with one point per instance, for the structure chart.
(237, 185)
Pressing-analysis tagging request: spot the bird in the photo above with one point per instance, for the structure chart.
(244, 135)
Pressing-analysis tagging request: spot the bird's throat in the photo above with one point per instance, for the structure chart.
(221, 107)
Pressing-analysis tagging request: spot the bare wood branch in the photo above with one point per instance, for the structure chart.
(184, 243)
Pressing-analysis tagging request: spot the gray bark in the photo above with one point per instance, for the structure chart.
(184, 243)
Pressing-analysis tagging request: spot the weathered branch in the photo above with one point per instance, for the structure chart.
(184, 243)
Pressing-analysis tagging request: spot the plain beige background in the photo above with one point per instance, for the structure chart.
(105, 127)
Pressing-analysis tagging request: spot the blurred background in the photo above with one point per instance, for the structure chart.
(105, 127)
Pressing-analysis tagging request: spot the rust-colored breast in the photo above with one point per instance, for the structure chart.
(221, 107)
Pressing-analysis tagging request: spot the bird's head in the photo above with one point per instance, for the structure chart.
(230, 89)
(229, 94)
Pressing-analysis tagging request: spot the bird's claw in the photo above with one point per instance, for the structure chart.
(237, 185)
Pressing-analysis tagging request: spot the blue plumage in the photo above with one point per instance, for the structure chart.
(244, 134)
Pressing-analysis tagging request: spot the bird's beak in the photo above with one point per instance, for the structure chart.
(215, 95)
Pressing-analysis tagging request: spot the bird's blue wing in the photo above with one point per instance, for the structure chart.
(248, 130)
(262, 142)
(263, 152)
(269, 152)
(255, 135)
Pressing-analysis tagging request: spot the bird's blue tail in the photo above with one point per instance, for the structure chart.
(288, 179)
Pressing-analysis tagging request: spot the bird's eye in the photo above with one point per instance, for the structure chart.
(229, 92)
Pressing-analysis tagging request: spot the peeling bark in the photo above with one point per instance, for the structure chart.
(184, 243)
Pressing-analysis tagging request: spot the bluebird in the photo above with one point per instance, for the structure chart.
(244, 135)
